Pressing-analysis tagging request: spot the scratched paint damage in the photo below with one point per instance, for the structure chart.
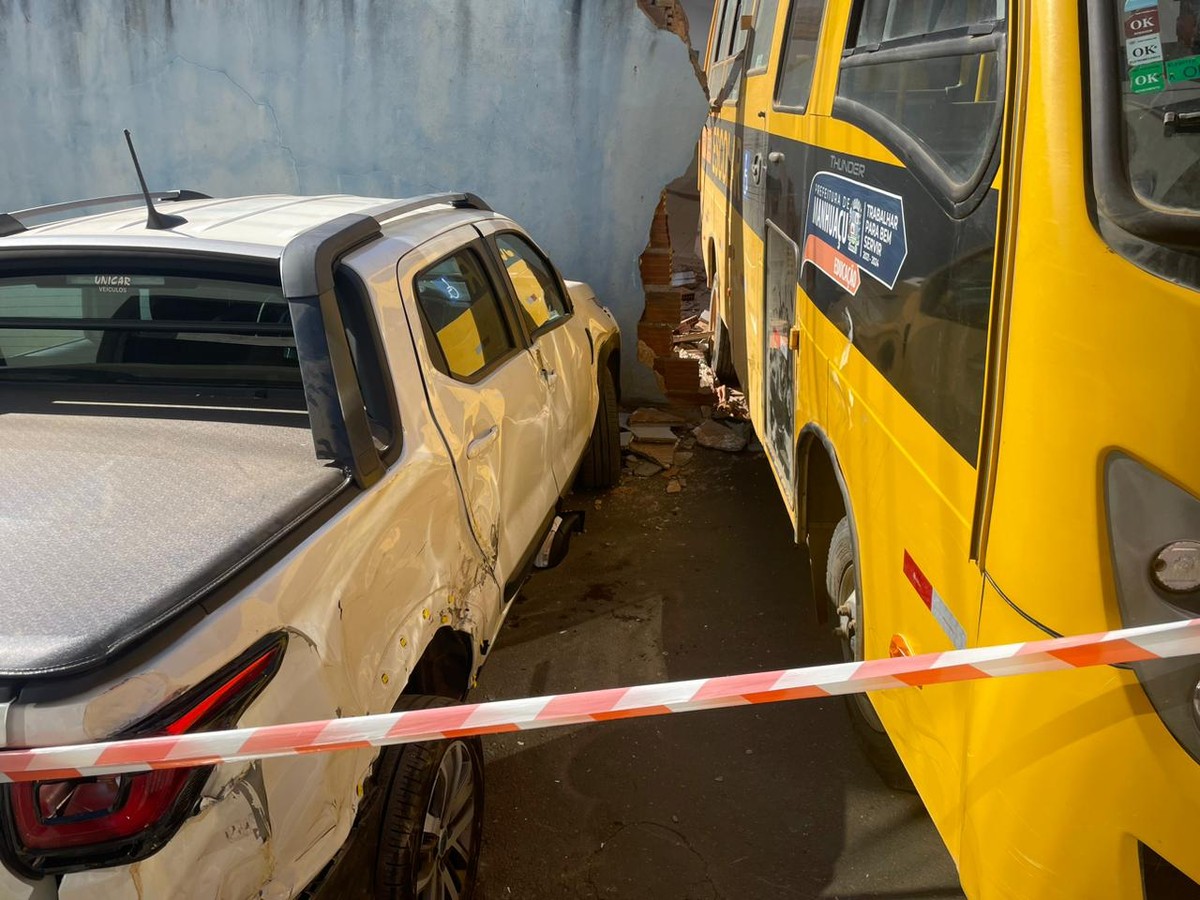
(390, 571)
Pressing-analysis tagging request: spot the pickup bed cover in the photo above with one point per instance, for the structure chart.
(117, 516)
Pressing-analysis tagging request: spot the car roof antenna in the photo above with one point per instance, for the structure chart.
(154, 219)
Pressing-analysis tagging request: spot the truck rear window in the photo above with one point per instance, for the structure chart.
(1160, 99)
(113, 326)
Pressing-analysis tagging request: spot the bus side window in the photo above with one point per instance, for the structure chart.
(722, 18)
(764, 30)
(727, 30)
(908, 78)
(799, 54)
(738, 36)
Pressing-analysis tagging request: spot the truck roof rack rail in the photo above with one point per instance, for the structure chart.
(415, 204)
(12, 222)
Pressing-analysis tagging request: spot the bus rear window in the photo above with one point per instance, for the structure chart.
(113, 326)
(1159, 46)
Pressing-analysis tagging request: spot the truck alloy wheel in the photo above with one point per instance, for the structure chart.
(432, 826)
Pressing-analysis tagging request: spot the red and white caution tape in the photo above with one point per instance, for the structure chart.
(143, 754)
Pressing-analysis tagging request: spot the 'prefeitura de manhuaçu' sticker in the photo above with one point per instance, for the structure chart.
(854, 228)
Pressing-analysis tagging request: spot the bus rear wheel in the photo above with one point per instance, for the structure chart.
(720, 354)
(841, 581)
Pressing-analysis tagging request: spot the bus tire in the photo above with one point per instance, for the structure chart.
(431, 785)
(841, 584)
(720, 353)
(601, 465)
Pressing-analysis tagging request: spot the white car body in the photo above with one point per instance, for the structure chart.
(438, 542)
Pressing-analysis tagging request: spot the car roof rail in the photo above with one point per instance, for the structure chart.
(12, 222)
(425, 201)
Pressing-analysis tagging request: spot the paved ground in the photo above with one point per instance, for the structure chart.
(767, 802)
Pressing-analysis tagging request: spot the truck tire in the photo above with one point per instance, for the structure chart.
(432, 823)
(841, 583)
(601, 465)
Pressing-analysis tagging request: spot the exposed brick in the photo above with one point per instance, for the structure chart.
(657, 337)
(682, 376)
(663, 307)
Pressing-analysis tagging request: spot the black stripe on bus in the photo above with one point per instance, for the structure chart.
(926, 333)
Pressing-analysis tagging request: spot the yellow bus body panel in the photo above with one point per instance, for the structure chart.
(1040, 786)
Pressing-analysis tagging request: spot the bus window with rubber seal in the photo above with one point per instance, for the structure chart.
(1145, 123)
(1160, 100)
(926, 78)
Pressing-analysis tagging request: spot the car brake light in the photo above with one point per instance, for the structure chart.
(62, 826)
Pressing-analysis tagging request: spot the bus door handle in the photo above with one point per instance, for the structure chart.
(776, 157)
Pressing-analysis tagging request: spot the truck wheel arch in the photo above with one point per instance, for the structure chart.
(610, 357)
(446, 666)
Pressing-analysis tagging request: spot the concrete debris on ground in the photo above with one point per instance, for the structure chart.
(656, 441)
(649, 415)
(653, 434)
(717, 437)
(731, 404)
(661, 454)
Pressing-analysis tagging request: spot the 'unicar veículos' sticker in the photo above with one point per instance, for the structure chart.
(854, 228)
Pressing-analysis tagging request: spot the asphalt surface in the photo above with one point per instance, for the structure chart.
(769, 801)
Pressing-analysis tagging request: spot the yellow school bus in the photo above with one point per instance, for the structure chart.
(954, 252)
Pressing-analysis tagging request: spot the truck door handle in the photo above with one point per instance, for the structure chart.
(550, 375)
(481, 443)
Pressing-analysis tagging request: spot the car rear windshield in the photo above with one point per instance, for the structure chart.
(1160, 100)
(112, 326)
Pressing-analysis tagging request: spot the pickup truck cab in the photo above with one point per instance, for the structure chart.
(278, 459)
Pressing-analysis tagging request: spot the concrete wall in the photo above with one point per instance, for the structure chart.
(569, 115)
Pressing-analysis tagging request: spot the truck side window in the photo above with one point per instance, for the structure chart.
(926, 76)
(463, 312)
(799, 54)
(534, 283)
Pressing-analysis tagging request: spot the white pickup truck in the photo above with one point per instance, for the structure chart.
(274, 459)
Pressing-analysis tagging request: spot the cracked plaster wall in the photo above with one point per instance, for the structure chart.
(568, 115)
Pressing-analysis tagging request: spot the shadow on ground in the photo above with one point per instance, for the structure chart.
(770, 801)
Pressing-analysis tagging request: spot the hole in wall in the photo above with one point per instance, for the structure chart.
(673, 327)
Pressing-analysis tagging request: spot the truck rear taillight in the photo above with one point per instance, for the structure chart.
(63, 826)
